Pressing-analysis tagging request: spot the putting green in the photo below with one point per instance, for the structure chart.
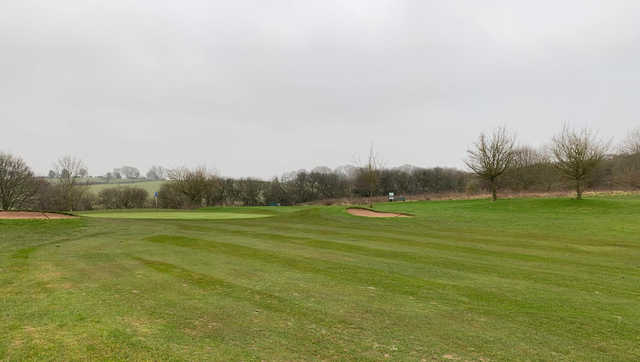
(181, 215)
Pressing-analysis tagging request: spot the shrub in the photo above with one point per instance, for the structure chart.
(170, 197)
(123, 198)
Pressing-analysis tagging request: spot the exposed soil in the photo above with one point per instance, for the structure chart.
(32, 215)
(371, 213)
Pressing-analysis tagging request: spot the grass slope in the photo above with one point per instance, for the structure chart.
(532, 279)
(150, 186)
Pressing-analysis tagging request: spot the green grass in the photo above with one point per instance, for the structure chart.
(150, 186)
(522, 279)
(176, 215)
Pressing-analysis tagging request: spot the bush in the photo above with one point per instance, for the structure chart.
(51, 197)
(170, 197)
(85, 200)
(123, 198)
(47, 197)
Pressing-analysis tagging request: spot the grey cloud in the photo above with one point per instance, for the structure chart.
(258, 88)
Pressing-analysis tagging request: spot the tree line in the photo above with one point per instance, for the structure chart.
(195, 188)
(574, 159)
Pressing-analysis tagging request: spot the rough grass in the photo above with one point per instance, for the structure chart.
(520, 279)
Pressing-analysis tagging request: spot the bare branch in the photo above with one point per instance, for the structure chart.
(68, 169)
(491, 156)
(577, 153)
(631, 144)
(17, 184)
(371, 173)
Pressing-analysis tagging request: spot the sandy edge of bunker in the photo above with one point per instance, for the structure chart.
(16, 215)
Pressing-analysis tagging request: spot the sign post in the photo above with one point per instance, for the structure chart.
(155, 196)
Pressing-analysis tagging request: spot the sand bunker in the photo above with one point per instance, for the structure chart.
(32, 215)
(371, 213)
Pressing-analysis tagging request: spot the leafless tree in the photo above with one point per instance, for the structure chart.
(577, 153)
(491, 156)
(157, 173)
(129, 172)
(68, 170)
(17, 184)
(626, 172)
(631, 145)
(197, 185)
(370, 172)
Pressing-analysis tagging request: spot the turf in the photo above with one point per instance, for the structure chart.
(174, 215)
(524, 279)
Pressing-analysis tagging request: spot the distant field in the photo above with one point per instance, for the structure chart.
(150, 186)
(550, 279)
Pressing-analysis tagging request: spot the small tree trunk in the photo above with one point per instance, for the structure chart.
(579, 190)
(494, 193)
(67, 195)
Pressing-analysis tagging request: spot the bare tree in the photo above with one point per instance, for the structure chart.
(491, 156)
(129, 172)
(17, 184)
(157, 173)
(627, 163)
(198, 185)
(631, 145)
(371, 173)
(69, 169)
(577, 153)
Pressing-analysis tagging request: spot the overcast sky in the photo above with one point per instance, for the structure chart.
(257, 88)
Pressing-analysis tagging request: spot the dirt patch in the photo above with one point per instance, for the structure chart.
(372, 213)
(32, 215)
